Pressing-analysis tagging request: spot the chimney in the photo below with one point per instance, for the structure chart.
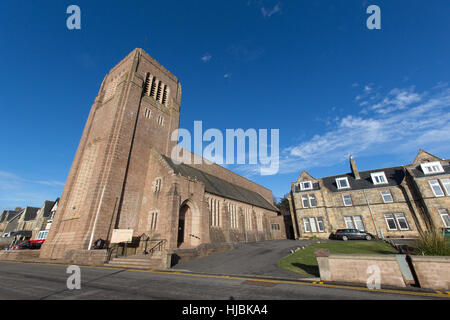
(354, 168)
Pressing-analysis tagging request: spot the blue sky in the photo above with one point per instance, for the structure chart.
(309, 68)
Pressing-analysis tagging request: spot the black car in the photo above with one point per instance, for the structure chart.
(351, 234)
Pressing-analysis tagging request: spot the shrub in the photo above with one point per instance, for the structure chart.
(433, 243)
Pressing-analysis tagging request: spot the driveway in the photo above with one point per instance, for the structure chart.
(257, 259)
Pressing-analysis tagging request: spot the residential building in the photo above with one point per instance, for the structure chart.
(393, 202)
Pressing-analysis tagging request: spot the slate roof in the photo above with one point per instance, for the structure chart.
(30, 213)
(14, 222)
(220, 187)
(394, 175)
(418, 173)
(7, 215)
(47, 207)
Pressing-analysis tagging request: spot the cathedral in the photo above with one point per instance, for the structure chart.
(123, 178)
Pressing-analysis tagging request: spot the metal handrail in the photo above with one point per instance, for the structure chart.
(158, 246)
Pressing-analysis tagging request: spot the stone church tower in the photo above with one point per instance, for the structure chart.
(113, 153)
(122, 176)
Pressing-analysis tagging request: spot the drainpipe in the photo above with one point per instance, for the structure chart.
(96, 217)
(370, 210)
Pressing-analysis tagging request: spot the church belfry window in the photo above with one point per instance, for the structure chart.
(159, 91)
(164, 97)
(156, 89)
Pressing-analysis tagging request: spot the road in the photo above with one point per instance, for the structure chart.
(45, 281)
(257, 258)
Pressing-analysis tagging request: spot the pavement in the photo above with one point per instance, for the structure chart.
(34, 281)
(256, 258)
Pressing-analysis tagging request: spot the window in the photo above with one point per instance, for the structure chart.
(397, 221)
(436, 187)
(320, 224)
(379, 178)
(312, 201)
(307, 185)
(158, 183)
(165, 93)
(445, 217)
(312, 222)
(387, 196)
(153, 220)
(390, 221)
(161, 120)
(401, 221)
(358, 223)
(446, 184)
(342, 183)
(347, 200)
(42, 235)
(147, 113)
(297, 187)
(354, 222)
(305, 201)
(214, 210)
(306, 225)
(233, 216)
(248, 219)
(275, 227)
(432, 167)
(349, 223)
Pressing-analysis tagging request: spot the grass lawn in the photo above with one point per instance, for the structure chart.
(304, 261)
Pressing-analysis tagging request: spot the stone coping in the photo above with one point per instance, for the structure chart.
(388, 257)
(444, 259)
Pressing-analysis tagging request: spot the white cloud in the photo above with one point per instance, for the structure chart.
(267, 13)
(206, 57)
(17, 191)
(404, 121)
(368, 89)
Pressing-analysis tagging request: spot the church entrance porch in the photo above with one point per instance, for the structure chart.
(188, 226)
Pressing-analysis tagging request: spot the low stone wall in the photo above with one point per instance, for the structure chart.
(19, 255)
(86, 257)
(432, 272)
(352, 268)
(206, 249)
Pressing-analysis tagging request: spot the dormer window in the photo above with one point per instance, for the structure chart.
(379, 178)
(307, 185)
(432, 167)
(342, 183)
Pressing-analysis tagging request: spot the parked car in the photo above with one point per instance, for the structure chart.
(29, 244)
(351, 234)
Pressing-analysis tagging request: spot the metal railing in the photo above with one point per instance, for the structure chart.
(141, 245)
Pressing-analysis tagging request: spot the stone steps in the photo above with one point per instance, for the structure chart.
(136, 262)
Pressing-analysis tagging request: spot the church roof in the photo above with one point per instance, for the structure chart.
(220, 187)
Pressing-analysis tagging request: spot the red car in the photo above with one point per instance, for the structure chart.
(29, 244)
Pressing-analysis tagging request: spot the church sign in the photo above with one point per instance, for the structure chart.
(122, 235)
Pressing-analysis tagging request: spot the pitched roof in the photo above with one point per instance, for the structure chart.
(7, 215)
(394, 175)
(220, 187)
(13, 223)
(418, 173)
(30, 213)
(47, 207)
